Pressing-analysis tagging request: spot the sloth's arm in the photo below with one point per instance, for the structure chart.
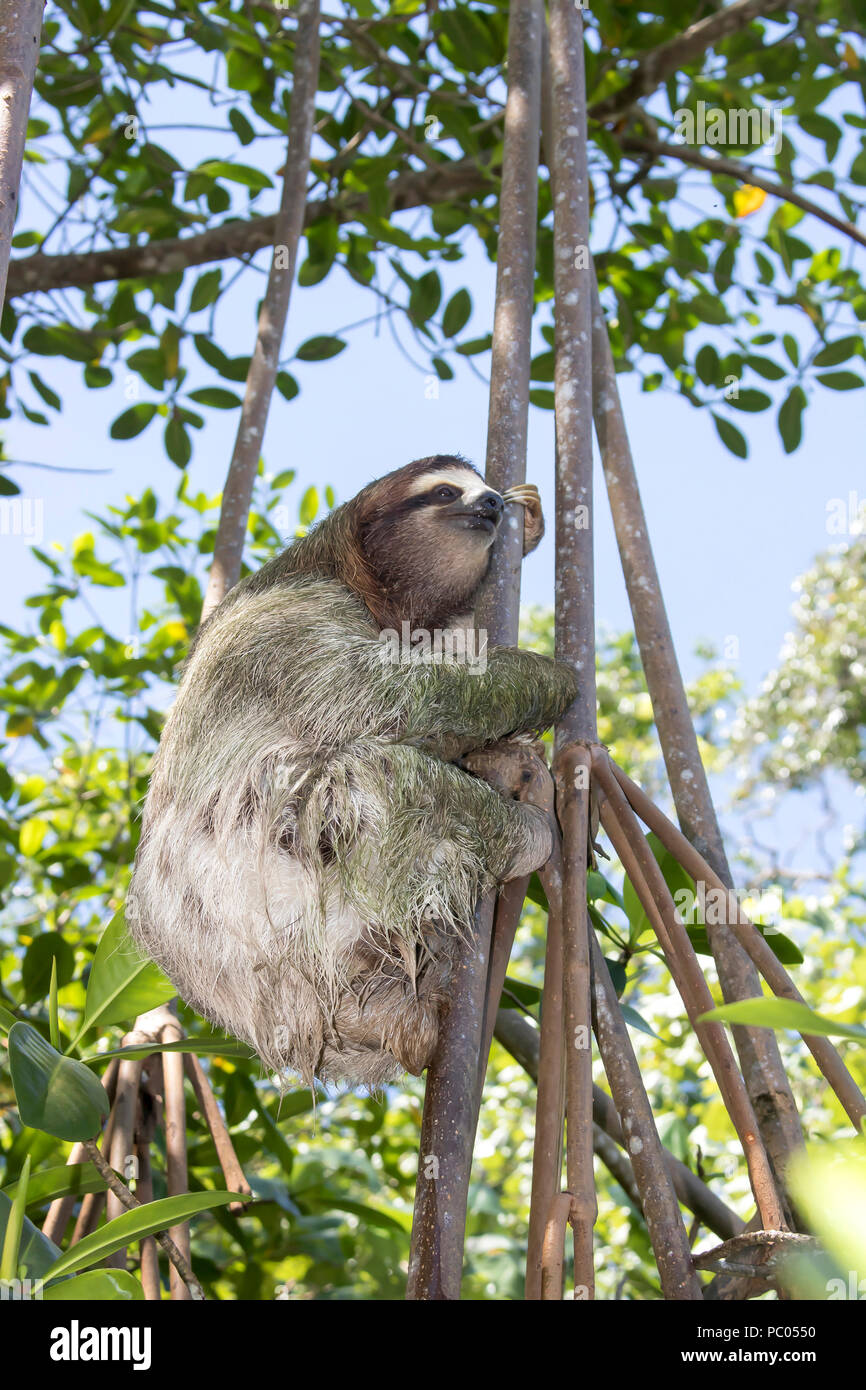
(311, 653)
(456, 707)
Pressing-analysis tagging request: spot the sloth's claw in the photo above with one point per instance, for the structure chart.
(526, 494)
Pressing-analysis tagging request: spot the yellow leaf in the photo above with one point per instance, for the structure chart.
(33, 832)
(850, 57)
(748, 199)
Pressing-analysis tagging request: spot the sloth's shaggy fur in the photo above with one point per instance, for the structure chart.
(310, 851)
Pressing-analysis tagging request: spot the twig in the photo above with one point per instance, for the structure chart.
(572, 783)
(174, 1118)
(131, 1203)
(550, 1077)
(149, 1268)
(661, 1209)
(752, 1240)
(521, 1039)
(761, 1062)
(745, 173)
(228, 1159)
(264, 365)
(646, 877)
(822, 1049)
(552, 1250)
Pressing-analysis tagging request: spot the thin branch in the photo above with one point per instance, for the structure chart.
(264, 365)
(550, 1078)
(822, 1049)
(228, 1159)
(521, 1040)
(452, 179)
(553, 1246)
(772, 1241)
(656, 66)
(768, 1086)
(131, 1203)
(648, 882)
(745, 173)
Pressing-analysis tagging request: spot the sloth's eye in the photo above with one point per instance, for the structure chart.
(446, 494)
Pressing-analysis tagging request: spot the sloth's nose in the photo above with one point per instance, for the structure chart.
(490, 504)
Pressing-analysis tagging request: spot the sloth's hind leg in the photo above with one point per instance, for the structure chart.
(387, 1019)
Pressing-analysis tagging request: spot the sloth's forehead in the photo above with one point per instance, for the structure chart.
(453, 475)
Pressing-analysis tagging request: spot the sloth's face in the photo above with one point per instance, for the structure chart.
(458, 504)
(427, 534)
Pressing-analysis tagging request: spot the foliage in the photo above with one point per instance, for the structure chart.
(810, 715)
(410, 120)
(86, 683)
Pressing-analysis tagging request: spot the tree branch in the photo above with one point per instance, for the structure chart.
(445, 182)
(127, 1200)
(746, 173)
(262, 375)
(658, 64)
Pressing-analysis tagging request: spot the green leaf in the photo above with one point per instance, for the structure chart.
(134, 1225)
(216, 396)
(319, 349)
(205, 290)
(457, 313)
(64, 1180)
(634, 1020)
(133, 421)
(54, 1093)
(730, 436)
(35, 1251)
(200, 1047)
(840, 381)
(425, 297)
(836, 352)
(751, 400)
(790, 418)
(122, 984)
(309, 508)
(236, 173)
(32, 835)
(287, 386)
(98, 1285)
(766, 367)
(241, 126)
(785, 1013)
(15, 1226)
(44, 950)
(178, 444)
(707, 364)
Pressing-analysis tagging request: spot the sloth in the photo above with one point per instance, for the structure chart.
(311, 850)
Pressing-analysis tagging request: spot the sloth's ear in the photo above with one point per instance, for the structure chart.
(533, 517)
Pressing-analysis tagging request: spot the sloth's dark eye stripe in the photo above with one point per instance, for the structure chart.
(426, 499)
